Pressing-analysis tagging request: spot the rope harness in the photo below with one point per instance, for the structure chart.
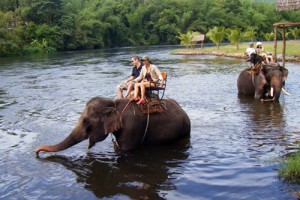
(115, 143)
(148, 116)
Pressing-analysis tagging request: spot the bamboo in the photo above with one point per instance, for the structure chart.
(283, 47)
(275, 44)
(283, 26)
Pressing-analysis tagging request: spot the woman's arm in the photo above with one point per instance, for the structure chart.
(142, 74)
(156, 74)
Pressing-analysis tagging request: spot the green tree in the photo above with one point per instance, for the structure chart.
(250, 34)
(45, 11)
(84, 24)
(269, 36)
(10, 35)
(295, 33)
(9, 5)
(186, 39)
(217, 35)
(135, 26)
(235, 36)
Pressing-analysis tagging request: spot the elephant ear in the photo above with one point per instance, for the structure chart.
(284, 72)
(111, 119)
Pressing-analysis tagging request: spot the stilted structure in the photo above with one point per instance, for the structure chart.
(284, 5)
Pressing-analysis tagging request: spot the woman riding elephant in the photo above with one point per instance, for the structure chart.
(262, 82)
(128, 124)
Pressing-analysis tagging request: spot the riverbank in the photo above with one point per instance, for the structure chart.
(292, 50)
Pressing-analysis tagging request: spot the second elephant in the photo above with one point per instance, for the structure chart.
(263, 83)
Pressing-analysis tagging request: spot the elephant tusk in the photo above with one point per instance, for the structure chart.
(285, 92)
(271, 91)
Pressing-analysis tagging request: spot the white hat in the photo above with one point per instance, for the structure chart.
(258, 43)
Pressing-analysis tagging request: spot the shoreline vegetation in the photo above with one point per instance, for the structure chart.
(292, 53)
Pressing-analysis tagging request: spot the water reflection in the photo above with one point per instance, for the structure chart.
(42, 97)
(265, 126)
(142, 174)
(264, 114)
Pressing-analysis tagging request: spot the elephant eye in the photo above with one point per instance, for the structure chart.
(86, 122)
(88, 129)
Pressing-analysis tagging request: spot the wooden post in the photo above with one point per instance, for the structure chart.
(283, 47)
(275, 44)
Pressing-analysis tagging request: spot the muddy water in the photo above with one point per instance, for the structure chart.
(231, 154)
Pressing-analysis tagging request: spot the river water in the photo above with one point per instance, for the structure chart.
(232, 153)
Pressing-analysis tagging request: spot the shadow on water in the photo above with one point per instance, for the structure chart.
(142, 174)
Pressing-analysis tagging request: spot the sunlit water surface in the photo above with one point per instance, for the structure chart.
(232, 153)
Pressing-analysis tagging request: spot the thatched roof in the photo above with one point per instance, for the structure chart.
(198, 38)
(286, 24)
(288, 4)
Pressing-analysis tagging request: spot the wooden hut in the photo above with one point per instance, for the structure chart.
(284, 5)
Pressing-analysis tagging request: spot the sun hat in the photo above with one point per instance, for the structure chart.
(258, 43)
(146, 58)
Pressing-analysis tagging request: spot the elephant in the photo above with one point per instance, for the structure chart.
(263, 82)
(125, 120)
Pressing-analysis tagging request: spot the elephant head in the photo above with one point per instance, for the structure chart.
(275, 77)
(264, 82)
(98, 119)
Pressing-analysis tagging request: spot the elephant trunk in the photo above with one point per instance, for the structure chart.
(69, 141)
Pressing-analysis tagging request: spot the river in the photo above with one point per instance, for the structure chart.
(232, 153)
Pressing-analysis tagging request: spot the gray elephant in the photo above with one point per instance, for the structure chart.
(127, 123)
(263, 82)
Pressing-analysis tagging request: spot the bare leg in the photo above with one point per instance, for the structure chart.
(136, 90)
(143, 86)
(143, 90)
(129, 89)
(267, 59)
(271, 59)
(119, 92)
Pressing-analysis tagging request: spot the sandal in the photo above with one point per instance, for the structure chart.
(135, 99)
(141, 101)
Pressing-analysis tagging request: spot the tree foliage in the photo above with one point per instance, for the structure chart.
(269, 36)
(217, 35)
(186, 39)
(295, 33)
(235, 36)
(85, 24)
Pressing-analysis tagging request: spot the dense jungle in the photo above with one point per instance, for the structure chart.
(39, 26)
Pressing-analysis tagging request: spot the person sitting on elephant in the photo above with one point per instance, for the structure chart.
(250, 50)
(149, 77)
(128, 84)
(261, 51)
(255, 59)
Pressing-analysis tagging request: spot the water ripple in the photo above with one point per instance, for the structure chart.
(232, 139)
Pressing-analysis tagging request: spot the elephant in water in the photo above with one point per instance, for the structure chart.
(263, 82)
(127, 123)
